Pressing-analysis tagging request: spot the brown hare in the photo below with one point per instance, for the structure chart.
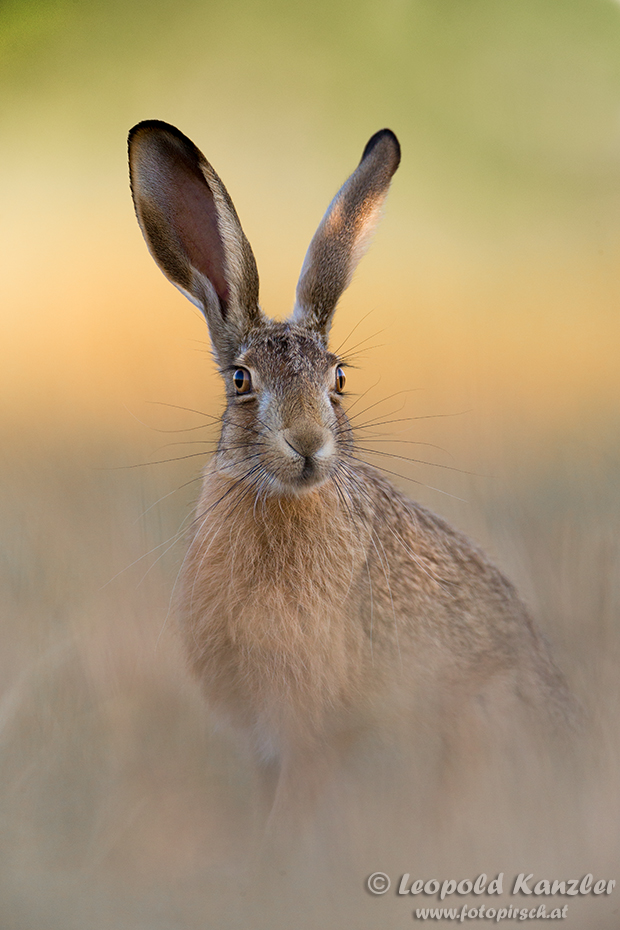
(317, 601)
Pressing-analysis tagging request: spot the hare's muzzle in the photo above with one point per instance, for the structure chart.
(308, 449)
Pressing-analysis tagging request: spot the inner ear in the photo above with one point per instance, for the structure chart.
(197, 221)
(188, 210)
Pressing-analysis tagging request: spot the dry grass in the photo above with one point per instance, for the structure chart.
(120, 807)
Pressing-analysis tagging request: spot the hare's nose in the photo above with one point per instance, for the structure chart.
(307, 441)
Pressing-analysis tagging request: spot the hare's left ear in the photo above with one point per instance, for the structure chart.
(193, 232)
(344, 234)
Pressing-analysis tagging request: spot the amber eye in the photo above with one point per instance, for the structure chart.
(340, 380)
(242, 381)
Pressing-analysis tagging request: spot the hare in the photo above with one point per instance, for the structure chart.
(317, 601)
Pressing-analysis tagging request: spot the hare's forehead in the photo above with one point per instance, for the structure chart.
(281, 353)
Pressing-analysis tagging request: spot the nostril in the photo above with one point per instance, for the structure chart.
(306, 442)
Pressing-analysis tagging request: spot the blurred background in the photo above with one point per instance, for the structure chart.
(484, 321)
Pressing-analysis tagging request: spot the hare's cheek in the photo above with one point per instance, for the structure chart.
(265, 409)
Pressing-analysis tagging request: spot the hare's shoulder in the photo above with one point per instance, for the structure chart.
(435, 571)
(444, 593)
(409, 527)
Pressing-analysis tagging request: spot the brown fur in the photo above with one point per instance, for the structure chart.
(303, 617)
(316, 601)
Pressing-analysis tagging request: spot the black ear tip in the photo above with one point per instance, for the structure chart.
(158, 129)
(165, 143)
(384, 136)
(148, 125)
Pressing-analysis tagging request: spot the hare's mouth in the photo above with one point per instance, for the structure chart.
(312, 473)
(309, 470)
(302, 463)
(308, 475)
(307, 467)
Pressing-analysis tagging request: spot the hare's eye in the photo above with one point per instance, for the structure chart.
(242, 381)
(340, 380)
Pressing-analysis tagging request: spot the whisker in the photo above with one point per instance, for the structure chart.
(362, 396)
(247, 490)
(178, 458)
(182, 530)
(211, 442)
(408, 442)
(200, 520)
(384, 400)
(359, 323)
(430, 416)
(145, 555)
(164, 496)
(201, 413)
(422, 484)
(361, 353)
(185, 429)
(406, 458)
(171, 541)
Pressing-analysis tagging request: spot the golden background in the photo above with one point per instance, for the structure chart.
(496, 268)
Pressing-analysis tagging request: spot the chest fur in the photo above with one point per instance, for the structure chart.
(268, 604)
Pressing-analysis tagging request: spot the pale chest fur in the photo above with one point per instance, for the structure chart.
(269, 599)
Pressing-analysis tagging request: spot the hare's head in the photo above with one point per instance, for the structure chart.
(284, 427)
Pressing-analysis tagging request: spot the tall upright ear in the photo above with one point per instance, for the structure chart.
(344, 233)
(193, 232)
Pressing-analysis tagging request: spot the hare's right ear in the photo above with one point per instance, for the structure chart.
(193, 232)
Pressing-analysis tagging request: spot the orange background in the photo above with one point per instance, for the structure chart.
(494, 277)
